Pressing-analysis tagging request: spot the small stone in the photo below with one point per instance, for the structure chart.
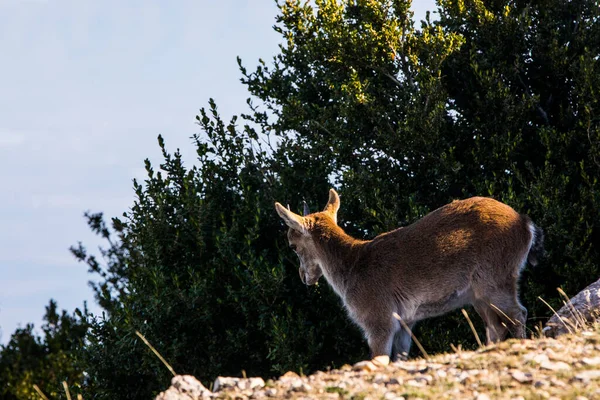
(555, 366)
(482, 396)
(463, 377)
(424, 378)
(392, 396)
(290, 375)
(544, 394)
(591, 361)
(415, 383)
(255, 383)
(381, 361)
(299, 386)
(223, 382)
(588, 375)
(522, 377)
(271, 392)
(396, 381)
(243, 384)
(380, 378)
(441, 373)
(536, 358)
(296, 384)
(412, 368)
(581, 398)
(364, 366)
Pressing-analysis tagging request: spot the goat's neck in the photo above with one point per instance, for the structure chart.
(340, 253)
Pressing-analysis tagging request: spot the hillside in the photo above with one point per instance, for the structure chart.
(563, 368)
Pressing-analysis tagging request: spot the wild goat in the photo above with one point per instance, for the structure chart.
(466, 252)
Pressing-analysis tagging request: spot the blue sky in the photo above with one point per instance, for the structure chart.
(85, 88)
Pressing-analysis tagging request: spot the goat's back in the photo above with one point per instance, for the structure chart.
(451, 243)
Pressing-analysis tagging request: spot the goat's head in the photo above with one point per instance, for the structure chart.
(301, 236)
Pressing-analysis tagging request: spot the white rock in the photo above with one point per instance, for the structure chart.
(588, 375)
(396, 381)
(415, 383)
(223, 382)
(289, 375)
(591, 361)
(299, 386)
(555, 366)
(184, 386)
(381, 360)
(521, 377)
(364, 366)
(256, 383)
(536, 358)
(392, 396)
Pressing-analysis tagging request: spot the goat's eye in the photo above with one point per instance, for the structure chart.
(293, 247)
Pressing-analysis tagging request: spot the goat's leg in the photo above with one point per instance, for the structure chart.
(380, 334)
(497, 302)
(508, 308)
(402, 342)
(495, 329)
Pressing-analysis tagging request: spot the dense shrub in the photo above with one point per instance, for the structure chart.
(46, 361)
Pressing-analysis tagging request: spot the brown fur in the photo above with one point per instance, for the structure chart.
(466, 252)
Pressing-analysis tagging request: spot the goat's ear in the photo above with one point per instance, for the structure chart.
(333, 205)
(294, 221)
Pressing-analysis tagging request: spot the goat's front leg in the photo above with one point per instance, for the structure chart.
(380, 335)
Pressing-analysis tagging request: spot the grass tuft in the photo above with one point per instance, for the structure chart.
(156, 352)
(472, 327)
(39, 392)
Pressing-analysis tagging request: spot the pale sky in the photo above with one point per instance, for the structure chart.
(85, 89)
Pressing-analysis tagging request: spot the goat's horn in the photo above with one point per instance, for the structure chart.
(306, 211)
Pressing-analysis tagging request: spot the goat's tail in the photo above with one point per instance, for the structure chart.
(536, 252)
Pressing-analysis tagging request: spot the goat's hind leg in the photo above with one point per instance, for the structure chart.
(402, 342)
(495, 329)
(502, 315)
(518, 318)
(510, 311)
(497, 302)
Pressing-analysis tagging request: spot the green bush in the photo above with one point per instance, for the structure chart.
(28, 359)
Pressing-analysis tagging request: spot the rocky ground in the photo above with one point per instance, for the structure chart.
(563, 368)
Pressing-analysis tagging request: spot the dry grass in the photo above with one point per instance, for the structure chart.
(161, 358)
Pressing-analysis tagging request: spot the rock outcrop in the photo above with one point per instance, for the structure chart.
(581, 311)
(185, 387)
